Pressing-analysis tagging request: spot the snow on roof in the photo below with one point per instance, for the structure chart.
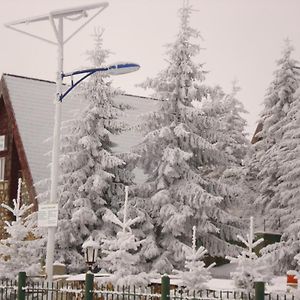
(81, 277)
(32, 101)
(90, 243)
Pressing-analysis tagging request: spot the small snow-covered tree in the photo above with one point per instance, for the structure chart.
(249, 266)
(123, 257)
(177, 154)
(196, 275)
(92, 176)
(22, 249)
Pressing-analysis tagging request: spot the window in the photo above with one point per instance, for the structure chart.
(2, 142)
(2, 168)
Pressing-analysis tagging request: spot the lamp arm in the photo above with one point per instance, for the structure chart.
(88, 73)
(62, 96)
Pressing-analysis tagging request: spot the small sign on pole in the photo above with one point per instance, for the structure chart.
(48, 215)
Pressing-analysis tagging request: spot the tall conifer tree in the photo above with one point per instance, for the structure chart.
(268, 155)
(93, 177)
(276, 161)
(177, 152)
(285, 203)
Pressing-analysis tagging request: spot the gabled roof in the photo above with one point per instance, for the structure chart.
(258, 129)
(32, 105)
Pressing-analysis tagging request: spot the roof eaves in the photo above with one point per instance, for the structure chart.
(29, 78)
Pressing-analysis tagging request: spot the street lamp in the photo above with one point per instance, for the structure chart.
(113, 69)
(56, 19)
(90, 249)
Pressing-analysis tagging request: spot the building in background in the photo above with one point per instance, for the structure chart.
(26, 126)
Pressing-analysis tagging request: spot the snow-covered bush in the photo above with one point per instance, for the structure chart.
(22, 249)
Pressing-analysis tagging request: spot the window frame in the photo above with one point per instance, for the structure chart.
(2, 168)
(3, 142)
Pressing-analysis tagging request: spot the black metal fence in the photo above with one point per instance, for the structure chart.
(56, 291)
(26, 289)
(8, 289)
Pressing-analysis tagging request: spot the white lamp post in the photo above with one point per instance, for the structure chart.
(90, 249)
(56, 19)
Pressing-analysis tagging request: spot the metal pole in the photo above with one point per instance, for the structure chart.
(55, 151)
(89, 286)
(259, 290)
(165, 287)
(21, 285)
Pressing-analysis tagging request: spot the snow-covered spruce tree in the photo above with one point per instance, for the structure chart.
(235, 125)
(123, 257)
(236, 146)
(22, 249)
(273, 162)
(250, 267)
(227, 109)
(177, 153)
(195, 275)
(287, 192)
(93, 177)
(268, 155)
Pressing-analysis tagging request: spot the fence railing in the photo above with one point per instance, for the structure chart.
(26, 289)
(8, 289)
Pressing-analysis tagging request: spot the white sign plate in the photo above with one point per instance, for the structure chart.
(48, 215)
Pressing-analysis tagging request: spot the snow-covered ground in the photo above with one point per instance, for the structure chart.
(223, 272)
(278, 283)
(221, 279)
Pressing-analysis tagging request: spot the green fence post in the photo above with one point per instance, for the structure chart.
(165, 287)
(21, 285)
(89, 286)
(259, 290)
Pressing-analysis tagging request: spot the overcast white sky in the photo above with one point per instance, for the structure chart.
(242, 40)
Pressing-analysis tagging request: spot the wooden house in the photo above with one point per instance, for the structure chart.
(26, 122)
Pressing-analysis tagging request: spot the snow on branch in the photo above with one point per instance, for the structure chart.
(18, 210)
